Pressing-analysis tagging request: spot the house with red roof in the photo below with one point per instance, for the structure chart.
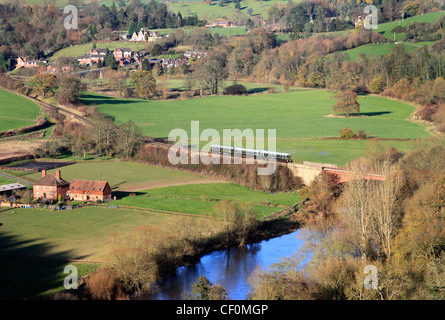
(50, 186)
(89, 190)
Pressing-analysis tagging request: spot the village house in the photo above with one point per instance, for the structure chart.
(51, 68)
(143, 35)
(139, 36)
(93, 57)
(85, 60)
(221, 24)
(23, 62)
(50, 186)
(173, 63)
(88, 190)
(98, 54)
(122, 53)
(152, 36)
(196, 53)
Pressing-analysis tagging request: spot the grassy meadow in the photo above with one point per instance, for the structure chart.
(53, 237)
(252, 87)
(200, 199)
(382, 49)
(16, 111)
(214, 11)
(387, 27)
(84, 233)
(299, 117)
(127, 176)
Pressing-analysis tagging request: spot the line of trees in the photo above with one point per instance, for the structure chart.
(101, 137)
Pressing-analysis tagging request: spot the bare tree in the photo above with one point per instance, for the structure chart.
(386, 216)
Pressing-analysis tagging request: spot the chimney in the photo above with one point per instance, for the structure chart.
(43, 173)
(58, 174)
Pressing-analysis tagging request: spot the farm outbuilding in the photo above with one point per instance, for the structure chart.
(89, 190)
(7, 189)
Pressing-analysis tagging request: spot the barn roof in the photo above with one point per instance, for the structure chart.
(12, 186)
(88, 185)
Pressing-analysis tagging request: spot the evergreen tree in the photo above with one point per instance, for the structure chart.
(131, 27)
(140, 25)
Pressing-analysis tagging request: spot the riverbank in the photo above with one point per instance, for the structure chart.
(230, 268)
(163, 255)
(274, 226)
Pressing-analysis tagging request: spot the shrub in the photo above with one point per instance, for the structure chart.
(321, 192)
(347, 134)
(236, 89)
(104, 285)
(377, 85)
(402, 88)
(286, 87)
(426, 112)
(440, 128)
(439, 115)
(362, 135)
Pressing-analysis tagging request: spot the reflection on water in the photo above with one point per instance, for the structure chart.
(230, 268)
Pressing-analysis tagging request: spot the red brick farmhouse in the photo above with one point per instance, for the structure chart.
(50, 187)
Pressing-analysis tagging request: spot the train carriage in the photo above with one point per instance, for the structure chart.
(251, 153)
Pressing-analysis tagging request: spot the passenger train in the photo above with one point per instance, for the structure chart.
(256, 154)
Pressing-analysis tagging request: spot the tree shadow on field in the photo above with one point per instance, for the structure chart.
(256, 90)
(117, 185)
(124, 194)
(89, 99)
(28, 268)
(372, 114)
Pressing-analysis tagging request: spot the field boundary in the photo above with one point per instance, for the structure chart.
(156, 211)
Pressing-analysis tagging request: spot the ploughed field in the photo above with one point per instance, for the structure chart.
(300, 118)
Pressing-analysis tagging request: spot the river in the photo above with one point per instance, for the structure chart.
(230, 268)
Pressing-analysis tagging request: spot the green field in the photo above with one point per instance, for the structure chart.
(214, 11)
(221, 191)
(32, 279)
(200, 199)
(16, 112)
(299, 118)
(252, 87)
(5, 180)
(83, 233)
(382, 49)
(127, 176)
(387, 27)
(74, 234)
(87, 233)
